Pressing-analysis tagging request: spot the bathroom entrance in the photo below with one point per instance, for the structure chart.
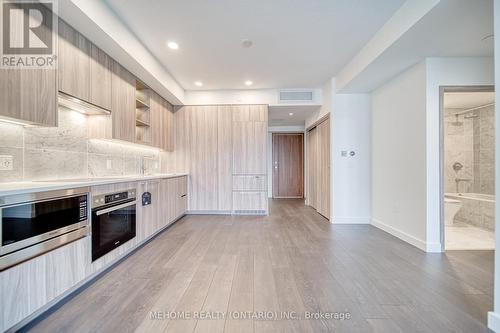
(468, 168)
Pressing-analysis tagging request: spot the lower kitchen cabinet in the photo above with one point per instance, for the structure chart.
(173, 196)
(250, 202)
(27, 287)
(148, 217)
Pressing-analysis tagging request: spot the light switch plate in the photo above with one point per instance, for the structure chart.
(108, 164)
(6, 162)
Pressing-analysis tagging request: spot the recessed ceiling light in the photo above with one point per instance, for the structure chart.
(198, 83)
(173, 45)
(248, 83)
(290, 114)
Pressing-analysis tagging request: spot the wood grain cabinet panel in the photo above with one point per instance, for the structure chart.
(318, 157)
(29, 95)
(181, 196)
(249, 183)
(201, 124)
(224, 157)
(123, 103)
(168, 127)
(148, 219)
(27, 287)
(249, 147)
(100, 78)
(157, 115)
(73, 62)
(251, 202)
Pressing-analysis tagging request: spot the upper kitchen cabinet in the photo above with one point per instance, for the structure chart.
(168, 126)
(29, 96)
(123, 104)
(249, 139)
(162, 121)
(73, 63)
(100, 78)
(84, 69)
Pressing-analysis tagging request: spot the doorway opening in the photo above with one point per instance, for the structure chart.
(468, 168)
(288, 165)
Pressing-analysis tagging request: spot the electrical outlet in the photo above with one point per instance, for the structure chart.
(108, 164)
(6, 162)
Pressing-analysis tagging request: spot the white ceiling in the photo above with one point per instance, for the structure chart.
(454, 28)
(466, 100)
(296, 43)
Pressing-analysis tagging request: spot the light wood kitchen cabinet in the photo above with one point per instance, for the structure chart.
(225, 157)
(216, 142)
(27, 287)
(250, 139)
(73, 62)
(123, 104)
(157, 119)
(168, 126)
(200, 123)
(250, 202)
(181, 196)
(148, 217)
(100, 78)
(173, 198)
(162, 131)
(249, 147)
(29, 96)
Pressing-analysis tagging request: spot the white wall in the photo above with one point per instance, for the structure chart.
(328, 90)
(445, 72)
(406, 151)
(399, 156)
(351, 175)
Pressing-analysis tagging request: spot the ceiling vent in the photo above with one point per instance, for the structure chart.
(296, 96)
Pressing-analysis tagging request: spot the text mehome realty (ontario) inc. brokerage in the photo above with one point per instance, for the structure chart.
(248, 315)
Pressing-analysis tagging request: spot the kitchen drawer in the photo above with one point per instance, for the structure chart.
(250, 202)
(250, 183)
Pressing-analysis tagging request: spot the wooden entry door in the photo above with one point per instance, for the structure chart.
(288, 165)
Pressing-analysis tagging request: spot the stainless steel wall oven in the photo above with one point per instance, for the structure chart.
(113, 221)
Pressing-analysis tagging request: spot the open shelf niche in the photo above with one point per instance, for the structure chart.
(142, 113)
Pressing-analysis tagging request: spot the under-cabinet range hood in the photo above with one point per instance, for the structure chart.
(78, 105)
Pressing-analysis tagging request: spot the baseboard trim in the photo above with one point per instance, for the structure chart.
(422, 245)
(350, 220)
(494, 321)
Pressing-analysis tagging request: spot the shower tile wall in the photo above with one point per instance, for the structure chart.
(471, 143)
(66, 152)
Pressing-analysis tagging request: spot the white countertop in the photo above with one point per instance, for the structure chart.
(41, 186)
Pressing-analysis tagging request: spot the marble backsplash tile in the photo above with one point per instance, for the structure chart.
(67, 152)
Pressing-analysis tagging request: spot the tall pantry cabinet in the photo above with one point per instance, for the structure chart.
(224, 150)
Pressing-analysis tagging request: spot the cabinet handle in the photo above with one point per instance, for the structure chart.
(182, 196)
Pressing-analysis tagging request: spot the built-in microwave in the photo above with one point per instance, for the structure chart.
(113, 221)
(34, 223)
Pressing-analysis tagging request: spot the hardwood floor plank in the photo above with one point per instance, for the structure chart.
(293, 260)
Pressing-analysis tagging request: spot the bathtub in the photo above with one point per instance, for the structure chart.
(471, 196)
(477, 209)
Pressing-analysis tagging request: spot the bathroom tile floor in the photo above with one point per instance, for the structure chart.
(462, 236)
